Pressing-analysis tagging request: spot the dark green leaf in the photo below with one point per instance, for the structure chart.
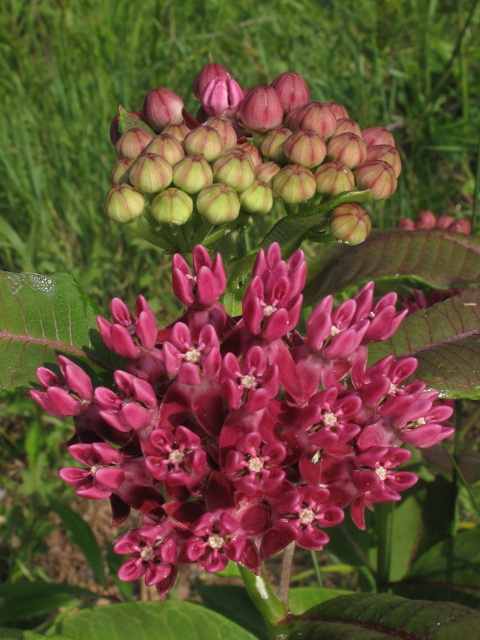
(304, 598)
(20, 608)
(170, 620)
(446, 341)
(34, 589)
(20, 634)
(235, 604)
(230, 571)
(407, 516)
(114, 561)
(42, 316)
(385, 617)
(127, 122)
(82, 535)
(437, 258)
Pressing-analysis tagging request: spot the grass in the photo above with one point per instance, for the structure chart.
(65, 66)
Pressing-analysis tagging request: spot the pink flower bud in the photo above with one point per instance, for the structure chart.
(344, 125)
(226, 131)
(306, 148)
(387, 154)
(350, 223)
(119, 172)
(266, 171)
(162, 107)
(258, 199)
(315, 117)
(222, 97)
(348, 149)
(124, 203)
(333, 178)
(235, 169)
(132, 143)
(291, 89)
(294, 184)
(218, 204)
(192, 174)
(338, 110)
(206, 74)
(376, 136)
(252, 151)
(261, 109)
(167, 147)
(172, 206)
(462, 225)
(178, 131)
(443, 222)
(425, 220)
(272, 144)
(115, 133)
(150, 173)
(379, 177)
(406, 223)
(204, 141)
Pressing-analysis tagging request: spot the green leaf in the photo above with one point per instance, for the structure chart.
(304, 598)
(41, 317)
(386, 617)
(127, 122)
(446, 341)
(436, 258)
(21, 608)
(407, 517)
(33, 589)
(230, 571)
(20, 634)
(114, 561)
(170, 620)
(235, 604)
(82, 535)
(33, 442)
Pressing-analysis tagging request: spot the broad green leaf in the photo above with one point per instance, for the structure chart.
(230, 571)
(82, 535)
(34, 589)
(20, 634)
(304, 598)
(20, 608)
(127, 122)
(41, 317)
(170, 620)
(445, 339)
(407, 516)
(386, 617)
(437, 258)
(235, 604)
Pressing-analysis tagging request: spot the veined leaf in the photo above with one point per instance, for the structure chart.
(385, 617)
(41, 317)
(168, 620)
(446, 341)
(437, 258)
(303, 598)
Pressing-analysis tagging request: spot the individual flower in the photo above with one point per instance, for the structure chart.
(102, 475)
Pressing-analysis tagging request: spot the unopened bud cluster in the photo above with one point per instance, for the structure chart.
(235, 437)
(261, 143)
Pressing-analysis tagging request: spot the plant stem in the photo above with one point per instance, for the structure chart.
(282, 593)
(477, 189)
(317, 568)
(384, 548)
(453, 514)
(272, 610)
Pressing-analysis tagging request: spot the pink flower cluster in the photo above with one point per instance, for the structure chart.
(234, 437)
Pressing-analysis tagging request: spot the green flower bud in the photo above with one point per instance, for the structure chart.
(350, 223)
(225, 129)
(235, 169)
(348, 149)
(150, 173)
(119, 173)
(218, 203)
(172, 206)
(387, 154)
(204, 141)
(258, 199)
(124, 203)
(132, 143)
(266, 171)
(294, 184)
(178, 131)
(379, 177)
(306, 148)
(192, 174)
(167, 147)
(344, 125)
(333, 178)
(252, 151)
(272, 144)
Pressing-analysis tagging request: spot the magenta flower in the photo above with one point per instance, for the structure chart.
(215, 541)
(102, 475)
(222, 97)
(205, 286)
(179, 459)
(189, 360)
